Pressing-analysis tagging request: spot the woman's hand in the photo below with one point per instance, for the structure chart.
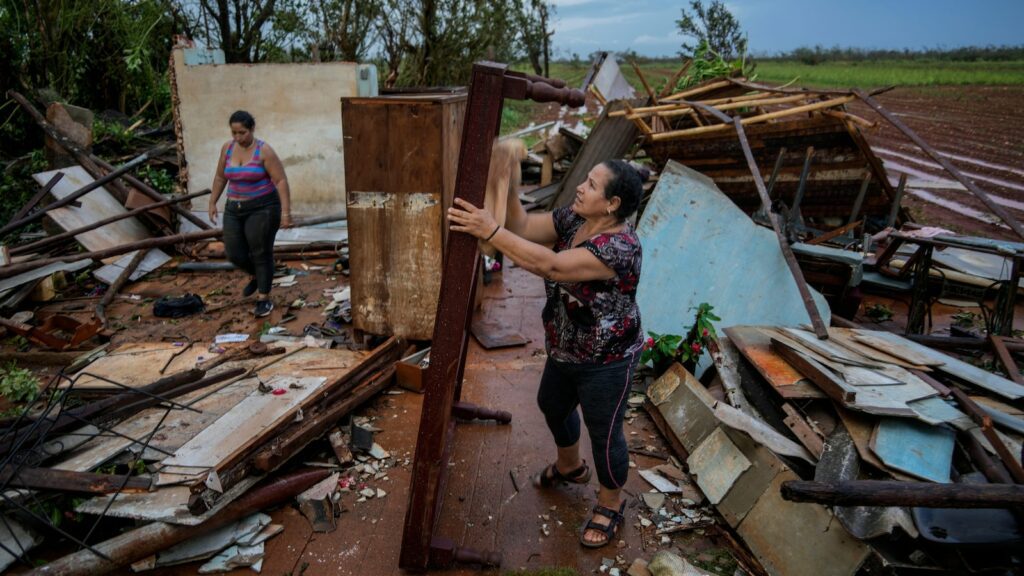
(470, 219)
(286, 220)
(213, 212)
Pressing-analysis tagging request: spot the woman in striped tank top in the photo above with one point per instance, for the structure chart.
(258, 203)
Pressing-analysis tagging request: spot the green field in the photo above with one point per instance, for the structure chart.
(866, 74)
(874, 73)
(832, 74)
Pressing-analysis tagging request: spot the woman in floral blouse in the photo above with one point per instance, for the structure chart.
(591, 323)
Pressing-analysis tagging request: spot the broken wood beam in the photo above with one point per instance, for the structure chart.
(35, 199)
(671, 84)
(1003, 353)
(75, 482)
(107, 407)
(955, 342)
(50, 240)
(897, 493)
(985, 423)
(675, 134)
(119, 192)
(147, 540)
(97, 183)
(274, 454)
(820, 330)
(154, 195)
(943, 161)
(157, 242)
(122, 279)
(361, 387)
(834, 233)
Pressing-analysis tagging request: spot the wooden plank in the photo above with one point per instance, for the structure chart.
(414, 267)
(610, 138)
(783, 377)
(369, 216)
(898, 346)
(137, 364)
(243, 426)
(948, 364)
(844, 337)
(860, 427)
(807, 436)
(833, 386)
(1006, 359)
(95, 205)
(366, 137)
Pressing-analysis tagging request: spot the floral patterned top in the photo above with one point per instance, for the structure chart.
(597, 321)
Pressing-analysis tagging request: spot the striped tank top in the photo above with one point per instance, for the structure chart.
(250, 180)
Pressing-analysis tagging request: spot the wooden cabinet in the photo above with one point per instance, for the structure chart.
(401, 158)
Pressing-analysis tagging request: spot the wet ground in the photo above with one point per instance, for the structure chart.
(976, 128)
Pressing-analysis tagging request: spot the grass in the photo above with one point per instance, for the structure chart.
(870, 74)
(830, 74)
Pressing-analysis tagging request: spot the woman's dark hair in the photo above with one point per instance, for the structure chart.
(244, 118)
(627, 183)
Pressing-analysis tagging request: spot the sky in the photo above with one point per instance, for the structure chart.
(774, 26)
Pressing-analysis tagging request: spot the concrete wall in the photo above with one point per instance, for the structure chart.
(297, 109)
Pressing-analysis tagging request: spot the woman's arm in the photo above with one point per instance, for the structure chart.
(576, 265)
(275, 169)
(219, 181)
(539, 227)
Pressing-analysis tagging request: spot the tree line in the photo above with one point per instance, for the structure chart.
(114, 54)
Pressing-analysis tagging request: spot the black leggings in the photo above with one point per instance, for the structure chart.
(601, 391)
(249, 230)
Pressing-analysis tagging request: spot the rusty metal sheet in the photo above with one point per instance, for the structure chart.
(793, 539)
(716, 464)
(786, 380)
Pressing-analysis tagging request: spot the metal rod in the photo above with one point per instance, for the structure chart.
(122, 279)
(894, 210)
(154, 195)
(36, 199)
(861, 194)
(794, 268)
(158, 242)
(775, 171)
(50, 240)
(798, 199)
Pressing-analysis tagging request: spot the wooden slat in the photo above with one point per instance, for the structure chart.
(675, 134)
(783, 378)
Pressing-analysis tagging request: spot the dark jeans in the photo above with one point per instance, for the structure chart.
(249, 230)
(600, 390)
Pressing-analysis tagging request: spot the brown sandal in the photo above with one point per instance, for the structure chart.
(550, 476)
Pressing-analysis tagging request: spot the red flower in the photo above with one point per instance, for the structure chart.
(695, 347)
(649, 344)
(705, 333)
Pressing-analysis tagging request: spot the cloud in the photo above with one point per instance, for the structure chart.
(670, 37)
(574, 23)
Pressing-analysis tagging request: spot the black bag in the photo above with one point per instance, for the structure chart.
(187, 305)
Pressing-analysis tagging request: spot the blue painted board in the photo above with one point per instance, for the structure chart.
(699, 247)
(913, 447)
